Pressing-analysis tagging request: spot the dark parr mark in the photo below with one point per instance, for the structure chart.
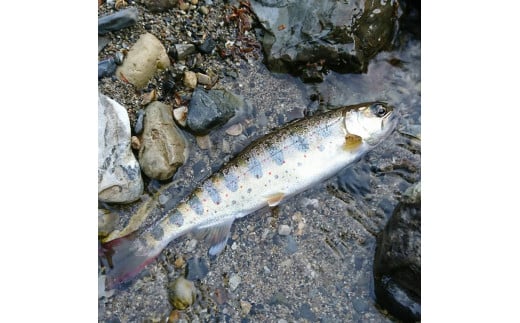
(196, 205)
(276, 155)
(176, 218)
(255, 167)
(157, 232)
(231, 181)
(212, 192)
(301, 144)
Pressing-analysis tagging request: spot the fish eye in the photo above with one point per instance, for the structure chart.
(379, 110)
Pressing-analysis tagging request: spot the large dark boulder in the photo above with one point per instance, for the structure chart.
(339, 35)
(397, 262)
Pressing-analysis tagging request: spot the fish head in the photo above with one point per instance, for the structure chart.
(372, 122)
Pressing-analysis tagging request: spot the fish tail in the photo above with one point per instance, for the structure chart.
(124, 259)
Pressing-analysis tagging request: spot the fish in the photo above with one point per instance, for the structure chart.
(267, 172)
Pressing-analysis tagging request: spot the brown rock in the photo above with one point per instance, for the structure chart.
(163, 147)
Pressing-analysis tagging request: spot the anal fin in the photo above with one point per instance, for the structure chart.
(275, 199)
(216, 234)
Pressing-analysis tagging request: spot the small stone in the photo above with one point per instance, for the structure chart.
(148, 97)
(210, 109)
(102, 42)
(235, 129)
(284, 230)
(138, 128)
(181, 293)
(179, 262)
(116, 21)
(190, 79)
(159, 5)
(194, 2)
(174, 316)
(143, 60)
(120, 4)
(184, 50)
(203, 79)
(181, 114)
(204, 10)
(136, 143)
(207, 46)
(119, 57)
(192, 244)
(196, 268)
(245, 307)
(163, 199)
(184, 6)
(106, 67)
(234, 281)
(203, 142)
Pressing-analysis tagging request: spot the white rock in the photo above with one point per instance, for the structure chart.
(284, 230)
(234, 281)
(119, 175)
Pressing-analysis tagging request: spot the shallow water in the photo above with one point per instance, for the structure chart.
(323, 269)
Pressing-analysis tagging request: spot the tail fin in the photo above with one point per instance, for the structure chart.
(124, 259)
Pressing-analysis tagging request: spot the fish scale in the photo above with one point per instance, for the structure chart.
(271, 169)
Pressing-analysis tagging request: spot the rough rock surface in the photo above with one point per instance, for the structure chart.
(341, 35)
(116, 21)
(119, 175)
(145, 57)
(163, 147)
(397, 263)
(210, 109)
(106, 67)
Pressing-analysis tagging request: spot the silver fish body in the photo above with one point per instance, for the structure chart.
(270, 170)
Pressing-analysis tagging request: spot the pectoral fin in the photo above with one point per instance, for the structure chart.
(275, 199)
(216, 234)
(352, 141)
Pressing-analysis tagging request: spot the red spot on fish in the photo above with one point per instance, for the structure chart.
(304, 156)
(269, 173)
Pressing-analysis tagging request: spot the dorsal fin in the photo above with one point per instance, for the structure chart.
(216, 234)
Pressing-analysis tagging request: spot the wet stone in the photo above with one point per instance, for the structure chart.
(397, 261)
(116, 21)
(181, 293)
(207, 46)
(159, 5)
(184, 50)
(291, 246)
(106, 67)
(210, 109)
(295, 34)
(163, 147)
(138, 128)
(284, 230)
(234, 281)
(355, 179)
(306, 313)
(196, 269)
